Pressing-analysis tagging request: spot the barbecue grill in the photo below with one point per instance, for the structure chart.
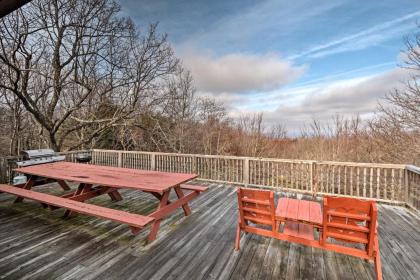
(42, 156)
(33, 157)
(83, 157)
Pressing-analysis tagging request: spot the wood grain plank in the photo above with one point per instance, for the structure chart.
(85, 247)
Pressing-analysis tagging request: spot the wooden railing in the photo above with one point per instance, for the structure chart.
(392, 183)
(381, 182)
(413, 187)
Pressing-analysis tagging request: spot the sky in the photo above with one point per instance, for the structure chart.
(294, 61)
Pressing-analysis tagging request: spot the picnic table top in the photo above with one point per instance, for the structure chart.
(145, 180)
(299, 210)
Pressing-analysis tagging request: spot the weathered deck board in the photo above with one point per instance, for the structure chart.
(39, 244)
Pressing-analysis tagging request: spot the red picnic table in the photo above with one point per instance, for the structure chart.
(97, 180)
(347, 220)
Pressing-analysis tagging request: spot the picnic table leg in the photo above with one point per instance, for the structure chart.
(115, 195)
(80, 189)
(27, 186)
(63, 185)
(159, 196)
(156, 224)
(180, 195)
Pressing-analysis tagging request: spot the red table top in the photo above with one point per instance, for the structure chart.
(299, 210)
(153, 181)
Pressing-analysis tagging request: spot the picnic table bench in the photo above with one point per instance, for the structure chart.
(347, 220)
(99, 180)
(135, 221)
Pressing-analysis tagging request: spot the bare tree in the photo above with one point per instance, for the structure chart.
(176, 112)
(397, 126)
(182, 121)
(78, 68)
(256, 138)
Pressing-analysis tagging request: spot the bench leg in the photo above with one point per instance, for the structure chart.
(135, 230)
(180, 195)
(156, 224)
(238, 236)
(27, 186)
(378, 265)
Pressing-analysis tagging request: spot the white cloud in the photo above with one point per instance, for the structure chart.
(240, 73)
(346, 98)
(363, 39)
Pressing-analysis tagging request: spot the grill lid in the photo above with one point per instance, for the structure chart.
(31, 154)
(32, 157)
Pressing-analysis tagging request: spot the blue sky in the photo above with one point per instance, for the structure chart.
(292, 60)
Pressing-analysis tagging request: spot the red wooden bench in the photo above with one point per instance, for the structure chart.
(136, 222)
(350, 221)
(195, 188)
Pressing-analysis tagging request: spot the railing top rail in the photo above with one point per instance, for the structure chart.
(356, 164)
(205, 156)
(74, 152)
(363, 164)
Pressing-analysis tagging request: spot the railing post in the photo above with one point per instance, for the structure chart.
(93, 155)
(119, 159)
(312, 179)
(153, 161)
(406, 184)
(3, 174)
(246, 171)
(195, 165)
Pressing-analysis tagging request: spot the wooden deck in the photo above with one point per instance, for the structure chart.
(39, 244)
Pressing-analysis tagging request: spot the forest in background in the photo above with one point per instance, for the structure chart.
(77, 75)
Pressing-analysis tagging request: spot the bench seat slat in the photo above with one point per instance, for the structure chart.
(194, 188)
(133, 220)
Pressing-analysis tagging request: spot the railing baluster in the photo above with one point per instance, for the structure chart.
(339, 180)
(358, 181)
(371, 183)
(378, 182)
(364, 182)
(392, 183)
(385, 183)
